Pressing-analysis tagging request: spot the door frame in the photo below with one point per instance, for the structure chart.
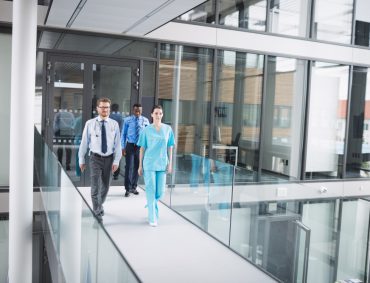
(88, 61)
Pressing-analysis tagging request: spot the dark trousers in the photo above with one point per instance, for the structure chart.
(68, 156)
(100, 172)
(132, 165)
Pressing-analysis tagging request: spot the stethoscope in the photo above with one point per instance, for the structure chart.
(97, 124)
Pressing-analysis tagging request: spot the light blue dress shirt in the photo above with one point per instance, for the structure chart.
(129, 129)
(156, 144)
(91, 139)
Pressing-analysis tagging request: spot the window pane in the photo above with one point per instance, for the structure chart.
(333, 20)
(243, 14)
(185, 79)
(326, 120)
(204, 13)
(362, 31)
(358, 151)
(289, 17)
(283, 119)
(238, 109)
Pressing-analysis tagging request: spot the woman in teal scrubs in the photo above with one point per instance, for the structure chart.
(156, 142)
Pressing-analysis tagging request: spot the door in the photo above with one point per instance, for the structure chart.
(74, 86)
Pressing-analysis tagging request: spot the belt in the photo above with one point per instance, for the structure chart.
(134, 144)
(101, 156)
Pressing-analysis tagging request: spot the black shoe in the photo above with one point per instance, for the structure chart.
(127, 194)
(115, 177)
(135, 192)
(99, 217)
(68, 167)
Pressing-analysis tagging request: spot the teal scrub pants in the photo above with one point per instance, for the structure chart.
(155, 185)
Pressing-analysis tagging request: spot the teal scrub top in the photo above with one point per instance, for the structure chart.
(156, 144)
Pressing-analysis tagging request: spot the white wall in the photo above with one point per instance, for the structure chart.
(5, 70)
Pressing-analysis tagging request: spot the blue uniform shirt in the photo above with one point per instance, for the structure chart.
(156, 144)
(129, 132)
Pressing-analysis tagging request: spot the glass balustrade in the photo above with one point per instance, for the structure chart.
(294, 240)
(84, 250)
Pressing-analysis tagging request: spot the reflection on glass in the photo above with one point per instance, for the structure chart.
(243, 14)
(185, 77)
(333, 20)
(204, 13)
(321, 218)
(206, 198)
(238, 110)
(113, 82)
(358, 149)
(289, 17)
(362, 20)
(282, 128)
(353, 245)
(326, 120)
(67, 115)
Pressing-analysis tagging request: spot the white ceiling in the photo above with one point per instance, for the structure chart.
(117, 16)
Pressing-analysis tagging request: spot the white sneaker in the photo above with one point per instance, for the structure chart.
(153, 224)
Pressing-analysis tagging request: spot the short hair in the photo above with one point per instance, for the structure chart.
(136, 105)
(115, 107)
(156, 107)
(103, 99)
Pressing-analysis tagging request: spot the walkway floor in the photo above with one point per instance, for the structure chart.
(175, 250)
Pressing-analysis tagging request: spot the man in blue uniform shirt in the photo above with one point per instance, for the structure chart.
(116, 116)
(101, 138)
(132, 127)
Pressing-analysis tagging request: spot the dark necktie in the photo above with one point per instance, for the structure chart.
(103, 138)
(137, 129)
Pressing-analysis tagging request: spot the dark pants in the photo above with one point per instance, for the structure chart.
(100, 172)
(132, 165)
(68, 156)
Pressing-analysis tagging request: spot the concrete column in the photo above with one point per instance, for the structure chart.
(21, 140)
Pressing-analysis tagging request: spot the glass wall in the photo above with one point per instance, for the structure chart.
(362, 23)
(358, 149)
(5, 78)
(283, 117)
(333, 20)
(243, 14)
(353, 261)
(185, 79)
(289, 17)
(326, 120)
(237, 112)
(321, 217)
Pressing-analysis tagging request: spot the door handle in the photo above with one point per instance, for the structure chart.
(136, 85)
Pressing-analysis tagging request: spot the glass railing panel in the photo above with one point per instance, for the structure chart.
(265, 230)
(84, 249)
(201, 192)
(353, 262)
(4, 250)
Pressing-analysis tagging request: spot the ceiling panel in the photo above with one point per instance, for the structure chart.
(117, 16)
(113, 15)
(61, 11)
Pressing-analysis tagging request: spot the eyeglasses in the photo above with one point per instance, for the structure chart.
(103, 107)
